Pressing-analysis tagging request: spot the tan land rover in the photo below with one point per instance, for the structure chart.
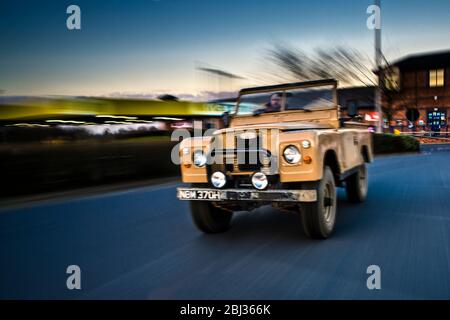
(285, 146)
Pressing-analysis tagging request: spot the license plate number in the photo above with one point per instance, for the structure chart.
(199, 195)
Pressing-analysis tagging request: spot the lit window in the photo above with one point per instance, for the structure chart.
(437, 78)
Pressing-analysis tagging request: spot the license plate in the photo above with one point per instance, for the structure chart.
(199, 195)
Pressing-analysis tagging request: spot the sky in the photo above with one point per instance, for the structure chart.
(139, 47)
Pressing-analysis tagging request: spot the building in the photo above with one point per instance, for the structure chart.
(358, 101)
(417, 93)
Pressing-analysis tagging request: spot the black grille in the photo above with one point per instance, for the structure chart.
(247, 144)
(249, 160)
(247, 151)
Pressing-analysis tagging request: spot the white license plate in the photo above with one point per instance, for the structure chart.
(199, 195)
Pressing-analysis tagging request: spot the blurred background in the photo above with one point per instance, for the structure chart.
(98, 104)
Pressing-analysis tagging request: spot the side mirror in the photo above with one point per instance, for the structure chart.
(226, 119)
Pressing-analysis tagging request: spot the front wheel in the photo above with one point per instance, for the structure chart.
(318, 218)
(210, 219)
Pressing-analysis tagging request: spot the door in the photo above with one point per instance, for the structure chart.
(351, 148)
(437, 119)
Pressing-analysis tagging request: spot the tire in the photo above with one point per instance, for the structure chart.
(318, 218)
(210, 219)
(356, 185)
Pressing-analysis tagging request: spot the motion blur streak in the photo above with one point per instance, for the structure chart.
(141, 244)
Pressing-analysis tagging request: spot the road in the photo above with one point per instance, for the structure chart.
(141, 243)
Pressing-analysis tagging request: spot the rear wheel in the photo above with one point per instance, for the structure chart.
(210, 219)
(356, 185)
(318, 218)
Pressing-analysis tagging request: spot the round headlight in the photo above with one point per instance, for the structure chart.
(199, 158)
(306, 144)
(259, 181)
(218, 179)
(292, 155)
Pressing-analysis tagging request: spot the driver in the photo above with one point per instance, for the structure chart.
(274, 105)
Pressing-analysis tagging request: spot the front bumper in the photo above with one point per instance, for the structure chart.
(201, 194)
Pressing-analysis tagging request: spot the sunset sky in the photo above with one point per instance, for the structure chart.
(148, 47)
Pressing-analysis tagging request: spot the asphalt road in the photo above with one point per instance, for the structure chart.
(141, 244)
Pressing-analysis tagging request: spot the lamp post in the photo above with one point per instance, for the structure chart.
(378, 62)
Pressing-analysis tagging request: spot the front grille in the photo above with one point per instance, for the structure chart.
(247, 144)
(245, 153)
(248, 154)
(249, 160)
(244, 160)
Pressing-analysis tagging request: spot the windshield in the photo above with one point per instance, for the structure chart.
(309, 99)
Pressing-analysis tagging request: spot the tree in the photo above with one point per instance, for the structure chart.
(346, 65)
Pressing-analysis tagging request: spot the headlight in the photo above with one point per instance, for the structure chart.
(218, 179)
(306, 144)
(259, 181)
(292, 155)
(199, 158)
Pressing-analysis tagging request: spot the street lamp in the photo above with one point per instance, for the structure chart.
(378, 59)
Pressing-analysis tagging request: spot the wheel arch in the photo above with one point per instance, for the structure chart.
(366, 154)
(330, 159)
